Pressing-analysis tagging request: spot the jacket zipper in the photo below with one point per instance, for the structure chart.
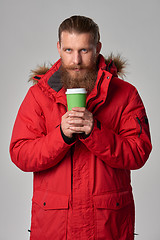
(71, 200)
(91, 99)
(96, 105)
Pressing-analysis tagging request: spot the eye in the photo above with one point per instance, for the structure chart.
(68, 50)
(84, 50)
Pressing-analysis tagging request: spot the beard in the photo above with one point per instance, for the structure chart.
(80, 79)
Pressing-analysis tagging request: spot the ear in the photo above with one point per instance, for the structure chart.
(59, 48)
(98, 48)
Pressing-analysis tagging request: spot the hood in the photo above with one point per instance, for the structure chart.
(116, 65)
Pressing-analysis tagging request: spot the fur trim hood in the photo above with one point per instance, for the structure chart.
(117, 63)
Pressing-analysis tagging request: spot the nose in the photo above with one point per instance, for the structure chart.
(77, 58)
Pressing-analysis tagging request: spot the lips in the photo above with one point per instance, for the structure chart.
(77, 69)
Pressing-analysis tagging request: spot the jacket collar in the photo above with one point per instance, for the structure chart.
(54, 81)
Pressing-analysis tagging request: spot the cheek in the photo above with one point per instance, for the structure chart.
(66, 59)
(91, 60)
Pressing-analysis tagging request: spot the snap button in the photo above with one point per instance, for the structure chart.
(107, 77)
(44, 203)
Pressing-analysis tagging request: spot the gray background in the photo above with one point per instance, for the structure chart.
(28, 32)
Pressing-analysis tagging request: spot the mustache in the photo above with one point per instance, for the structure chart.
(73, 67)
(78, 66)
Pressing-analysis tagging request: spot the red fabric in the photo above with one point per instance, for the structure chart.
(82, 190)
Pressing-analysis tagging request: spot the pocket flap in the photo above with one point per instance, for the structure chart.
(48, 200)
(113, 201)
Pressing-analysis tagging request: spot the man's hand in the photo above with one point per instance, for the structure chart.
(78, 120)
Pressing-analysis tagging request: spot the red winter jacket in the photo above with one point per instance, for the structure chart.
(82, 188)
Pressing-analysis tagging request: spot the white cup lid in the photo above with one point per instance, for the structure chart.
(76, 91)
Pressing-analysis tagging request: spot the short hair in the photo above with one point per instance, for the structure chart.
(80, 24)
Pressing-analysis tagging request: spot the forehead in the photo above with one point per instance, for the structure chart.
(76, 39)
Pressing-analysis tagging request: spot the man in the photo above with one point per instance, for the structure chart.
(81, 158)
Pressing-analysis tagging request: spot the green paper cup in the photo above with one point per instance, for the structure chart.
(76, 97)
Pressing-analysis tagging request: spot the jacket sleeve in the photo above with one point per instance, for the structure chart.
(131, 146)
(32, 149)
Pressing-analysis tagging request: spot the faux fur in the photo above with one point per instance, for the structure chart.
(39, 70)
(118, 60)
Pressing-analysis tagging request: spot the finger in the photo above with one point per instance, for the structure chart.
(66, 115)
(83, 129)
(83, 114)
(73, 114)
(76, 121)
(80, 125)
(77, 129)
(79, 109)
(81, 122)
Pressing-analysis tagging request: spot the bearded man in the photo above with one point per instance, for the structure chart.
(81, 159)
